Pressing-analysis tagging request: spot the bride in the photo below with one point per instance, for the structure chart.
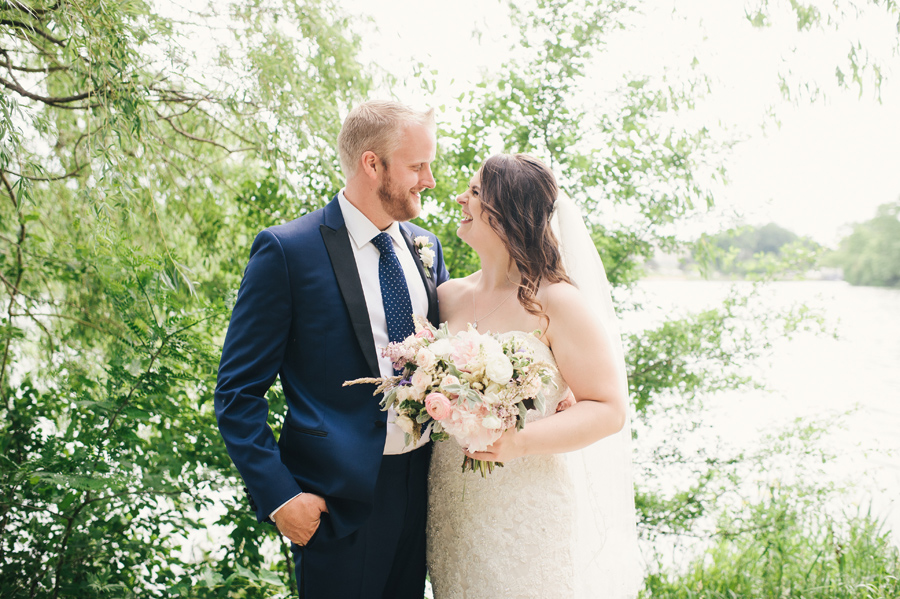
(557, 521)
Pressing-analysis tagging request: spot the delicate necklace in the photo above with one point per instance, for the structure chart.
(503, 301)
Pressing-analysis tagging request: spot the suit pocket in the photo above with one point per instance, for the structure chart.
(308, 431)
(313, 541)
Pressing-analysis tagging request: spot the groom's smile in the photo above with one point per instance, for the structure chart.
(407, 173)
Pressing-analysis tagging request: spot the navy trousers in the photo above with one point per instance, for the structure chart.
(385, 559)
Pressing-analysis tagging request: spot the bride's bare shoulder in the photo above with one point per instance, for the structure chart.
(455, 287)
(562, 300)
(561, 294)
(452, 292)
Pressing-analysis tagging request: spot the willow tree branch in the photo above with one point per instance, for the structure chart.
(13, 290)
(20, 270)
(190, 107)
(173, 95)
(9, 190)
(35, 12)
(77, 107)
(11, 66)
(205, 165)
(212, 142)
(52, 178)
(40, 325)
(33, 29)
(229, 129)
(193, 103)
(51, 100)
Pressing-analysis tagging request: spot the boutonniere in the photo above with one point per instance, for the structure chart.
(426, 254)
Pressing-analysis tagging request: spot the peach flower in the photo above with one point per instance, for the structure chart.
(438, 405)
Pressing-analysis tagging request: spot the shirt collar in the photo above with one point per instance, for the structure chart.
(361, 229)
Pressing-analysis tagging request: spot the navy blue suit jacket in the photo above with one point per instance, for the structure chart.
(301, 315)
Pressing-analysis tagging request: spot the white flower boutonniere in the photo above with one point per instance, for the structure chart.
(424, 245)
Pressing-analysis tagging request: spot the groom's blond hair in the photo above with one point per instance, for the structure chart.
(377, 127)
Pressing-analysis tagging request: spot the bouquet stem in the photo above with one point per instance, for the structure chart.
(481, 466)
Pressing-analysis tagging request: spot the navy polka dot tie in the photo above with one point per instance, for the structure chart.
(394, 292)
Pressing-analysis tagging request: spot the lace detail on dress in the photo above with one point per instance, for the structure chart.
(510, 534)
(554, 392)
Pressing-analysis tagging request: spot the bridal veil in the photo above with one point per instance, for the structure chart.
(605, 535)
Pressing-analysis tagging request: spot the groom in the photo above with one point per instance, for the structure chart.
(320, 296)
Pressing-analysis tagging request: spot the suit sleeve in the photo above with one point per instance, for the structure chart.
(251, 358)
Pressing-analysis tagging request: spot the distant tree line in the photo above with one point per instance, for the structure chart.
(870, 254)
(752, 251)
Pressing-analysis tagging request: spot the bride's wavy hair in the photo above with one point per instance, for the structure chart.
(518, 192)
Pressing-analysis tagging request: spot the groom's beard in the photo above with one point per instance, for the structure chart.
(398, 203)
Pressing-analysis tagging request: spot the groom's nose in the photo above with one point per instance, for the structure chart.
(427, 178)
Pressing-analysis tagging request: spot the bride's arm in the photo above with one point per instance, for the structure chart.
(586, 360)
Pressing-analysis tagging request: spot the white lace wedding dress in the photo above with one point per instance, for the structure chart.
(521, 532)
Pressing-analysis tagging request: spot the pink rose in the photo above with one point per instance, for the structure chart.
(438, 406)
(465, 351)
(467, 429)
(425, 334)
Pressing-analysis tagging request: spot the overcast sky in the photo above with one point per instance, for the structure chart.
(828, 164)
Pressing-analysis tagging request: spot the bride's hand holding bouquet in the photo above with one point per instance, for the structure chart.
(473, 387)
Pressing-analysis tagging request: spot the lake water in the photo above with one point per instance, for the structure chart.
(813, 377)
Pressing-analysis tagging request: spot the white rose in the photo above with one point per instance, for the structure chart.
(402, 393)
(498, 368)
(491, 345)
(427, 255)
(426, 359)
(491, 398)
(441, 348)
(406, 424)
(421, 380)
(492, 422)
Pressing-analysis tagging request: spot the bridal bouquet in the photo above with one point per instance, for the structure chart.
(469, 386)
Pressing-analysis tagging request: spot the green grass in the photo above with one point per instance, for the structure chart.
(785, 551)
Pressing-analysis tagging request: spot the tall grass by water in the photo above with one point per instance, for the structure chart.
(788, 549)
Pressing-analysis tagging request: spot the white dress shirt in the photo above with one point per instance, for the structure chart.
(361, 231)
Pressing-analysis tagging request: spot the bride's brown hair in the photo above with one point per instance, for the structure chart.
(517, 195)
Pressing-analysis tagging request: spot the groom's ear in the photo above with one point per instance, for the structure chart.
(371, 165)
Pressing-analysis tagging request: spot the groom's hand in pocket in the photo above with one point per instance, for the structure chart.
(300, 517)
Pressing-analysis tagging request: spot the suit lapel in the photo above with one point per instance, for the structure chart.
(430, 285)
(340, 252)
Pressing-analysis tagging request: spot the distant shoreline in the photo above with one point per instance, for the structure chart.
(732, 278)
(660, 277)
